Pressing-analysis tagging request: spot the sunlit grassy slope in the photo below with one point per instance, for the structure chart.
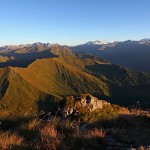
(46, 81)
(18, 96)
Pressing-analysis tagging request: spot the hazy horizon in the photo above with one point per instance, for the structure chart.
(13, 44)
(73, 22)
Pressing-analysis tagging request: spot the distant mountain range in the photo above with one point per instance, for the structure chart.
(130, 54)
(97, 42)
(42, 74)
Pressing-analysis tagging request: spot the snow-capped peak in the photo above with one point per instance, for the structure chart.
(145, 41)
(97, 42)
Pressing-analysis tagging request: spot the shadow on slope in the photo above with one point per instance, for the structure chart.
(24, 59)
(126, 86)
(3, 87)
(125, 130)
(130, 54)
(49, 104)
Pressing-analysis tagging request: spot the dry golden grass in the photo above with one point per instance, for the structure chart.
(95, 133)
(33, 124)
(50, 137)
(59, 134)
(49, 131)
(10, 140)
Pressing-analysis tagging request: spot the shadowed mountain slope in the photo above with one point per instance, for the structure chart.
(23, 59)
(131, 54)
(44, 80)
(126, 87)
(47, 80)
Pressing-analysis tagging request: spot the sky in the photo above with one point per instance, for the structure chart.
(72, 22)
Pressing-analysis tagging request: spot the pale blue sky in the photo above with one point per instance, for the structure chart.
(73, 21)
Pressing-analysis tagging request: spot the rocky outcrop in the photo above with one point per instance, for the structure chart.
(87, 102)
(92, 102)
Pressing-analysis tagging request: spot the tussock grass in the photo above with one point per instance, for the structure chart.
(10, 140)
(58, 133)
(95, 133)
(53, 134)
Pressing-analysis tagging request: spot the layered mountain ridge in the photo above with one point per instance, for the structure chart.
(130, 54)
(43, 83)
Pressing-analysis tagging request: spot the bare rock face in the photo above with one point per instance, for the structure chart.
(86, 103)
(92, 102)
(82, 102)
(68, 111)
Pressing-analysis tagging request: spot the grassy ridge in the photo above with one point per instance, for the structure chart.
(46, 81)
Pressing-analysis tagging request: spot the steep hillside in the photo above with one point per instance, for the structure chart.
(72, 73)
(3, 58)
(78, 60)
(23, 59)
(125, 86)
(42, 84)
(20, 97)
(46, 81)
(58, 78)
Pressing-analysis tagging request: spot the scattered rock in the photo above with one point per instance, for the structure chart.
(86, 101)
